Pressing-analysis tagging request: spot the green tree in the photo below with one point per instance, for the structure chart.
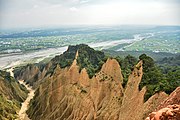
(153, 77)
(126, 66)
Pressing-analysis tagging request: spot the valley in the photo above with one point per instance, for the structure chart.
(101, 79)
(25, 105)
(89, 59)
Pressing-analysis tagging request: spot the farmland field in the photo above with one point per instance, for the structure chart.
(38, 44)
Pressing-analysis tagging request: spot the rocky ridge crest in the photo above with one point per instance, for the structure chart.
(70, 94)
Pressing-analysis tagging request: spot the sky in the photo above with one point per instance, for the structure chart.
(41, 13)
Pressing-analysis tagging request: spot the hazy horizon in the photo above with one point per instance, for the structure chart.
(54, 13)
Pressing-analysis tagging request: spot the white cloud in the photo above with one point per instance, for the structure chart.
(84, 1)
(35, 6)
(22, 13)
(75, 0)
(73, 9)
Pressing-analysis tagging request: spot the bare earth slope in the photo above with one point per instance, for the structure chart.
(72, 95)
(169, 109)
(22, 113)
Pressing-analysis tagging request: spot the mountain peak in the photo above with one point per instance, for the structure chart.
(75, 60)
(112, 68)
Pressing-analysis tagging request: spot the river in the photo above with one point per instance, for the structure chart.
(13, 60)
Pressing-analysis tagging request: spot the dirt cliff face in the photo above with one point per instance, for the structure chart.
(70, 94)
(29, 72)
(169, 109)
(174, 98)
(32, 74)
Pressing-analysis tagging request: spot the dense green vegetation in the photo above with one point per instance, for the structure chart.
(161, 76)
(15, 90)
(11, 95)
(88, 58)
(126, 64)
(156, 79)
(171, 69)
(152, 78)
(8, 109)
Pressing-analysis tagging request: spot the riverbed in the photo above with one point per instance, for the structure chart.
(14, 60)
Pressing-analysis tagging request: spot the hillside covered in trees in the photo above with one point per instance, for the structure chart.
(11, 95)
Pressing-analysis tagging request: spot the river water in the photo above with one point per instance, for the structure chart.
(8, 61)
(13, 60)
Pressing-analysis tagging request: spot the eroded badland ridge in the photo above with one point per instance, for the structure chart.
(70, 93)
(169, 109)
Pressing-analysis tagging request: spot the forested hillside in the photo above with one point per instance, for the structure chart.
(11, 96)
